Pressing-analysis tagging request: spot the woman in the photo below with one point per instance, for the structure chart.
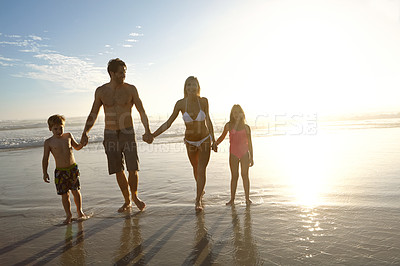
(199, 132)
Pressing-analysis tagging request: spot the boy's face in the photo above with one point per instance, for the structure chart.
(57, 130)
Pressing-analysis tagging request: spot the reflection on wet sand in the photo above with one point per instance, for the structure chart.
(202, 250)
(73, 251)
(245, 251)
(130, 243)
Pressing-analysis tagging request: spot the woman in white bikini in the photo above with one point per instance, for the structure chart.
(198, 135)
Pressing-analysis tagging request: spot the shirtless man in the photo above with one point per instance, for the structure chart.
(118, 98)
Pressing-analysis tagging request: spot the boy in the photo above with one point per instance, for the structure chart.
(66, 173)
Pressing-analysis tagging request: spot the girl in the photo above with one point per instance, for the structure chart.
(241, 150)
(199, 132)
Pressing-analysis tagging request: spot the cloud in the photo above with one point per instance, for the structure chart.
(4, 61)
(71, 73)
(127, 45)
(134, 34)
(36, 38)
(131, 40)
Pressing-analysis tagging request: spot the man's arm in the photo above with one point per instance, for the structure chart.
(143, 116)
(97, 103)
(45, 162)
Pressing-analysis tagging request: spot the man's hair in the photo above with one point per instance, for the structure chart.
(114, 64)
(55, 120)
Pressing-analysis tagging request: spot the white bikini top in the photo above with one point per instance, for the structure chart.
(201, 116)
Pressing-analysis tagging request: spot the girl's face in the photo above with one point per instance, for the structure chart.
(237, 114)
(191, 87)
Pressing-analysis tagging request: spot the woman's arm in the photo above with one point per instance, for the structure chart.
(248, 131)
(169, 122)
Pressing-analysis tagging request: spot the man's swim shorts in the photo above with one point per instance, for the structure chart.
(120, 145)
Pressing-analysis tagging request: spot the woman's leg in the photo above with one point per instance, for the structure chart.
(244, 166)
(204, 158)
(193, 155)
(234, 165)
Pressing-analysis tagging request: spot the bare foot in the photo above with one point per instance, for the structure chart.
(231, 202)
(140, 204)
(125, 207)
(198, 207)
(68, 220)
(248, 201)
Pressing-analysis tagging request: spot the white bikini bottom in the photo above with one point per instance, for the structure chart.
(197, 143)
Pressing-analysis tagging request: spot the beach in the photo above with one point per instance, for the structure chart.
(328, 198)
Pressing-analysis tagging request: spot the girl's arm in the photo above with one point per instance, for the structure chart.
(45, 162)
(75, 144)
(169, 122)
(223, 134)
(248, 131)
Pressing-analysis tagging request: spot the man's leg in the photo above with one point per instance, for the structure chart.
(123, 186)
(133, 180)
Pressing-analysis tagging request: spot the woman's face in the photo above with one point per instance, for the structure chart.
(192, 87)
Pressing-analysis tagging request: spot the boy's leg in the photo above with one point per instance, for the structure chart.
(234, 165)
(244, 165)
(67, 207)
(123, 186)
(78, 202)
(133, 181)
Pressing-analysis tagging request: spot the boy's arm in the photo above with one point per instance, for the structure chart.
(248, 131)
(45, 162)
(77, 146)
(223, 134)
(92, 117)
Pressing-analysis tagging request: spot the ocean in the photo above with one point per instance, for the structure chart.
(324, 192)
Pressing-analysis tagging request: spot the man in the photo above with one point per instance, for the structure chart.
(117, 99)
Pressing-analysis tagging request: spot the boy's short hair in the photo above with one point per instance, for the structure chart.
(55, 120)
(114, 64)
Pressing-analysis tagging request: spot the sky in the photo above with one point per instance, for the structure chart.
(330, 57)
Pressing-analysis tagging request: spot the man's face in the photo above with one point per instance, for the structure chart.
(119, 76)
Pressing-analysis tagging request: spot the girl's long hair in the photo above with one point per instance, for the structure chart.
(232, 120)
(187, 80)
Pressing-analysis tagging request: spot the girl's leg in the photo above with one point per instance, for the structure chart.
(67, 207)
(234, 165)
(244, 165)
(78, 202)
(204, 158)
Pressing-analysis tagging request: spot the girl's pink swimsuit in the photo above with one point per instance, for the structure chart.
(239, 143)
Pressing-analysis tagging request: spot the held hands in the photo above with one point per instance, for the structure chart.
(148, 137)
(46, 178)
(84, 139)
(214, 146)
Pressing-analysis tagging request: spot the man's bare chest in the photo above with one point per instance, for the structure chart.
(117, 98)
